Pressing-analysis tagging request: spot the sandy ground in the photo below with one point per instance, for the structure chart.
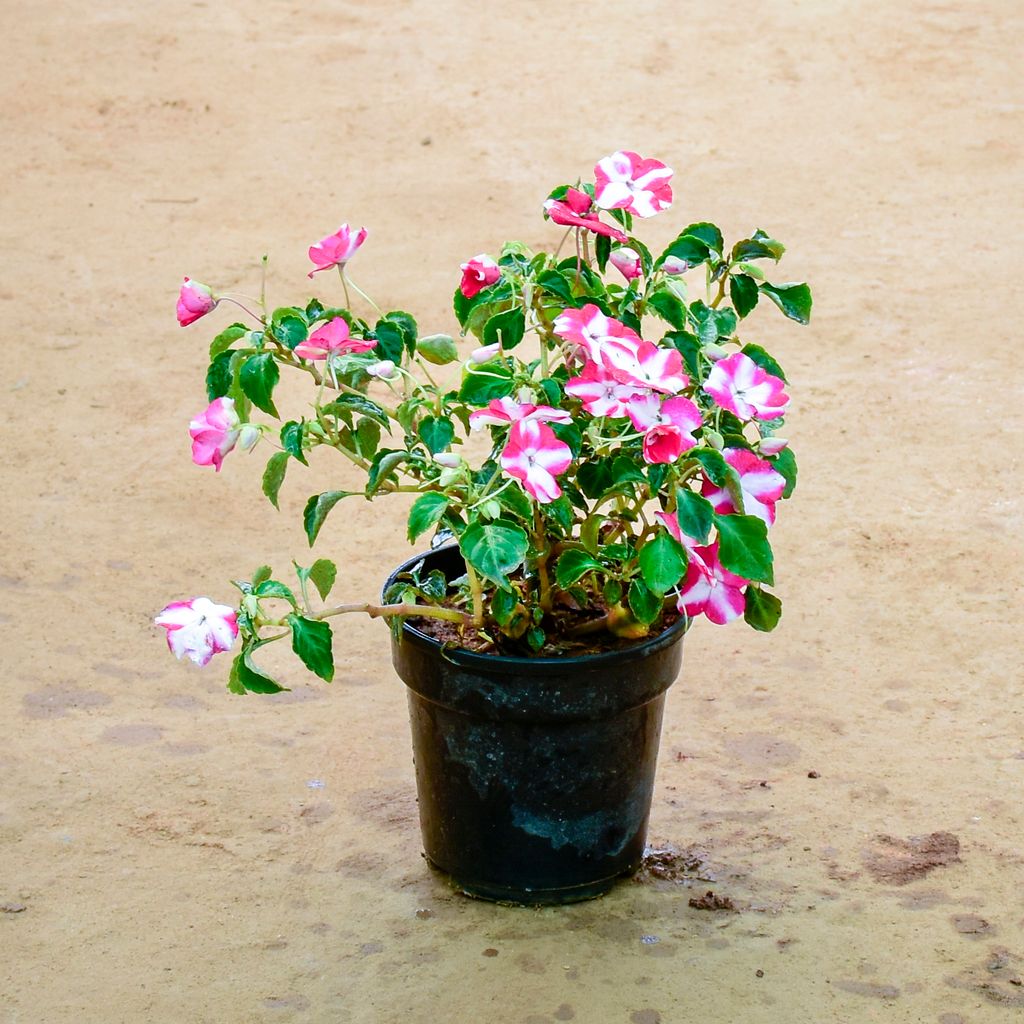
(167, 851)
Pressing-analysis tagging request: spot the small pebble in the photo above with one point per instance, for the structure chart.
(490, 951)
(813, 775)
(649, 940)
(758, 973)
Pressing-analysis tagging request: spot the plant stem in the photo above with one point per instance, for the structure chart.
(255, 316)
(477, 593)
(346, 279)
(542, 561)
(389, 611)
(344, 285)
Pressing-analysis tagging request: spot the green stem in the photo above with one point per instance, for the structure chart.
(389, 611)
(477, 593)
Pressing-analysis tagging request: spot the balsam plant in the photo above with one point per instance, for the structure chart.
(634, 462)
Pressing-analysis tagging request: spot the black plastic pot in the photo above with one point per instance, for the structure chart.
(534, 775)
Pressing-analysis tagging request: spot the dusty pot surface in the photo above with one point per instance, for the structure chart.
(534, 775)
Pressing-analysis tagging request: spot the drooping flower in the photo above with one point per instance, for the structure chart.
(214, 433)
(198, 629)
(627, 262)
(332, 339)
(337, 249)
(576, 210)
(625, 181)
(600, 393)
(710, 588)
(588, 330)
(667, 425)
(745, 389)
(760, 484)
(477, 274)
(535, 456)
(645, 364)
(500, 412)
(195, 300)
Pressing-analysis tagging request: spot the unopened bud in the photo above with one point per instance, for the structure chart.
(248, 436)
(448, 459)
(674, 265)
(714, 438)
(772, 445)
(485, 353)
(713, 351)
(384, 370)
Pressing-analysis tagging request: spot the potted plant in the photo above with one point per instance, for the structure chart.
(605, 470)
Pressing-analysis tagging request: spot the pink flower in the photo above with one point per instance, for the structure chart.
(337, 249)
(589, 330)
(645, 364)
(479, 273)
(625, 181)
(195, 300)
(575, 211)
(761, 486)
(673, 266)
(627, 262)
(746, 390)
(500, 412)
(667, 425)
(198, 629)
(710, 588)
(214, 433)
(332, 340)
(535, 456)
(600, 393)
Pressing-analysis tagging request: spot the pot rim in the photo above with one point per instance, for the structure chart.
(517, 663)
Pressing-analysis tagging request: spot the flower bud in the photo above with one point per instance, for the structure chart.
(438, 349)
(772, 445)
(674, 265)
(248, 436)
(485, 353)
(714, 438)
(713, 351)
(195, 300)
(384, 370)
(448, 459)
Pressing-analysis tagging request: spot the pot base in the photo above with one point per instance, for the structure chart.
(510, 896)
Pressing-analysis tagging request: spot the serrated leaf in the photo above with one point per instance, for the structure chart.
(311, 641)
(292, 434)
(695, 515)
(426, 512)
(662, 563)
(573, 565)
(643, 603)
(713, 463)
(264, 572)
(686, 247)
(708, 233)
(436, 433)
(764, 360)
(748, 249)
(669, 307)
(245, 674)
(290, 329)
(743, 547)
(602, 250)
(743, 292)
(273, 476)
(219, 376)
(785, 463)
(556, 283)
(360, 404)
(391, 340)
(226, 339)
(481, 384)
(275, 588)
(317, 509)
(494, 550)
(506, 328)
(688, 346)
(761, 609)
(793, 299)
(367, 434)
(258, 377)
(323, 572)
(384, 463)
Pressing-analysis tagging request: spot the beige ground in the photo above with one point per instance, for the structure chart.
(163, 856)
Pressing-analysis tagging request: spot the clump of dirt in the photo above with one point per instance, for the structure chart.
(669, 864)
(712, 901)
(1000, 979)
(901, 861)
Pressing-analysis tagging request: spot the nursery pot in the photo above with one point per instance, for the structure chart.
(534, 775)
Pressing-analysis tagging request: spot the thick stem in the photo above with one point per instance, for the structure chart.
(543, 580)
(477, 593)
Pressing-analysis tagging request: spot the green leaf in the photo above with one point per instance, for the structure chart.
(761, 609)
(436, 433)
(481, 384)
(503, 606)
(258, 378)
(290, 329)
(317, 509)
(744, 293)
(263, 573)
(314, 310)
(390, 341)
(688, 346)
(357, 403)
(273, 476)
(505, 328)
(311, 641)
(219, 376)
(760, 247)
(516, 501)
(594, 477)
(406, 323)
(785, 463)
(643, 603)
(743, 547)
(709, 234)
(695, 515)
(246, 676)
(494, 550)
(556, 283)
(275, 588)
(438, 349)
(602, 250)
(323, 572)
(764, 360)
(662, 563)
(426, 511)
(669, 307)
(292, 434)
(226, 339)
(793, 299)
(384, 463)
(573, 565)
(367, 435)
(713, 463)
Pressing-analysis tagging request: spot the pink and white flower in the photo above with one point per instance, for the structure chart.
(625, 181)
(645, 364)
(588, 330)
(337, 249)
(333, 339)
(710, 588)
(195, 300)
(668, 425)
(772, 445)
(198, 629)
(600, 393)
(627, 262)
(477, 274)
(670, 520)
(535, 456)
(673, 266)
(575, 210)
(500, 412)
(745, 389)
(484, 354)
(214, 433)
(760, 485)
